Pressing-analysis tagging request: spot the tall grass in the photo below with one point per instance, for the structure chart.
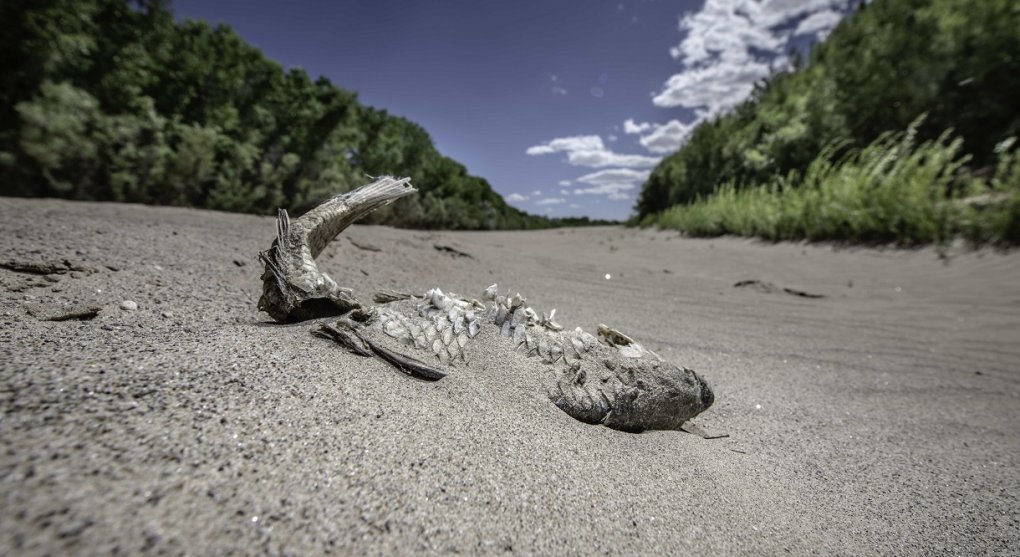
(892, 191)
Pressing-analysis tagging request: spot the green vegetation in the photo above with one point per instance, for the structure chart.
(814, 152)
(114, 100)
(891, 191)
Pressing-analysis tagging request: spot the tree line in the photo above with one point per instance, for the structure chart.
(957, 62)
(114, 100)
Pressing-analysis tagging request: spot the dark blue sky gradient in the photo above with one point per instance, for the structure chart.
(478, 75)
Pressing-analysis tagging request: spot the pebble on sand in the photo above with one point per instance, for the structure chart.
(128, 305)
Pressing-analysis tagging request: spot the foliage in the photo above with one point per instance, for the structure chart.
(893, 190)
(114, 100)
(893, 60)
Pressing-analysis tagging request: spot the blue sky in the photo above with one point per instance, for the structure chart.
(563, 105)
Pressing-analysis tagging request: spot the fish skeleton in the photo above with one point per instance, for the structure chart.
(606, 378)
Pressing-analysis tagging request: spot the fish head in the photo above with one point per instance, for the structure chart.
(657, 395)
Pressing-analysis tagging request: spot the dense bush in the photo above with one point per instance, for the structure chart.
(892, 191)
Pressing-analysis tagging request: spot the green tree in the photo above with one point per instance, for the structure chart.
(893, 60)
(115, 100)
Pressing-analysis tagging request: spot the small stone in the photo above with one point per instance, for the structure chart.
(128, 305)
(167, 314)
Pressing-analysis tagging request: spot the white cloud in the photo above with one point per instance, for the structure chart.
(516, 197)
(818, 22)
(574, 206)
(550, 201)
(599, 159)
(726, 30)
(662, 138)
(558, 90)
(536, 193)
(564, 192)
(565, 183)
(727, 45)
(668, 137)
(588, 150)
(575, 143)
(715, 87)
(630, 127)
(781, 63)
(612, 182)
(611, 191)
(611, 138)
(774, 13)
(615, 176)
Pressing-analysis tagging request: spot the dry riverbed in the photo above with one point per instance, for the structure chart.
(871, 397)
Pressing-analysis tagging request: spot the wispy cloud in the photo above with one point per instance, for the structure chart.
(661, 138)
(516, 198)
(615, 176)
(588, 150)
(629, 126)
(569, 144)
(611, 191)
(713, 88)
(775, 13)
(612, 183)
(550, 201)
(728, 45)
(725, 30)
(565, 183)
(819, 23)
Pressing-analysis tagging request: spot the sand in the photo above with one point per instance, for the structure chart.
(882, 418)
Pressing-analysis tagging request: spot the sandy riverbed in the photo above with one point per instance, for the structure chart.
(882, 418)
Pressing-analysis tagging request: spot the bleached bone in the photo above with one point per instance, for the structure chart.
(615, 382)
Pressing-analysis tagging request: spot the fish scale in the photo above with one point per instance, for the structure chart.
(609, 379)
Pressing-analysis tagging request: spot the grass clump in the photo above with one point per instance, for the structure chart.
(894, 190)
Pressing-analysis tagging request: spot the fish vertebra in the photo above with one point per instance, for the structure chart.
(609, 380)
